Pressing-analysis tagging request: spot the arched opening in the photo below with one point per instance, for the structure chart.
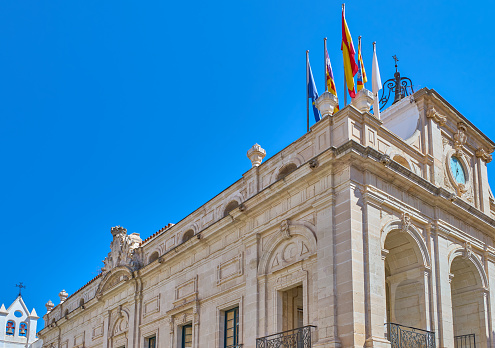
(402, 161)
(286, 170)
(231, 206)
(81, 302)
(153, 257)
(66, 313)
(406, 287)
(188, 235)
(468, 308)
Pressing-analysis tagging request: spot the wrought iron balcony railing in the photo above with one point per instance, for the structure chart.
(401, 336)
(297, 338)
(465, 341)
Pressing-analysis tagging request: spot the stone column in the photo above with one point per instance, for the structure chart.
(349, 265)
(445, 328)
(326, 307)
(375, 291)
(106, 329)
(250, 310)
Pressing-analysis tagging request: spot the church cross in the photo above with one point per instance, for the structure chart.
(20, 286)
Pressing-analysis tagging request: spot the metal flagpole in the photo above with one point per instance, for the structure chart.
(345, 81)
(325, 62)
(307, 96)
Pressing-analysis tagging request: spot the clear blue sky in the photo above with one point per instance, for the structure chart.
(135, 113)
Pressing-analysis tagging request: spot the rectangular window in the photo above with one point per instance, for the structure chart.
(152, 342)
(231, 328)
(187, 336)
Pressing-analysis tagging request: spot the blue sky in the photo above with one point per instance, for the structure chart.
(136, 113)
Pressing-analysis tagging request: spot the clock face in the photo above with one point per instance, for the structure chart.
(457, 170)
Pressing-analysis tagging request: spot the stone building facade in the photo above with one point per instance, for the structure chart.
(360, 229)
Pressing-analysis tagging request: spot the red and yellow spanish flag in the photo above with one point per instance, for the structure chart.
(350, 66)
(329, 77)
(361, 77)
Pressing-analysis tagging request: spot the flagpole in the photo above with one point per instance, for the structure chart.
(345, 81)
(325, 62)
(307, 96)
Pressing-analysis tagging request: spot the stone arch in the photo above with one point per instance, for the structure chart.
(296, 159)
(124, 316)
(187, 235)
(461, 251)
(153, 257)
(235, 199)
(304, 230)
(468, 286)
(413, 232)
(112, 278)
(406, 258)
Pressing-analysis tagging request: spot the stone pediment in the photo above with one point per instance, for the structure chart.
(114, 279)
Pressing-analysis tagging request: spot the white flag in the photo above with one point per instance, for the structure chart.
(376, 82)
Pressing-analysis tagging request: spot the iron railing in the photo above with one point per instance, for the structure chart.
(297, 338)
(465, 341)
(401, 336)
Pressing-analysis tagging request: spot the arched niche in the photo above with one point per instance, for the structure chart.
(153, 257)
(187, 235)
(229, 207)
(290, 244)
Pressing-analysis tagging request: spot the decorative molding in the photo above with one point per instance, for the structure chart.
(406, 221)
(186, 293)
(284, 229)
(152, 306)
(468, 250)
(385, 159)
(313, 163)
(484, 155)
(437, 117)
(460, 137)
(122, 250)
(97, 332)
(229, 269)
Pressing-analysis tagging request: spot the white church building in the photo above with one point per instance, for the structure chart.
(19, 326)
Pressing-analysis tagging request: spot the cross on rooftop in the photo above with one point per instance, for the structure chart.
(20, 286)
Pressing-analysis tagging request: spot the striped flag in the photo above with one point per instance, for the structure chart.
(350, 66)
(329, 77)
(361, 75)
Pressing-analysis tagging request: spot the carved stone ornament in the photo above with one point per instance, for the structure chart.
(284, 229)
(122, 250)
(460, 137)
(385, 159)
(484, 155)
(256, 155)
(452, 197)
(440, 119)
(468, 250)
(313, 163)
(406, 222)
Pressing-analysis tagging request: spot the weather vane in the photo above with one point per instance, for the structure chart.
(396, 60)
(20, 286)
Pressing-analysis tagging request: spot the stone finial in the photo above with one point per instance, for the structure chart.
(49, 306)
(63, 296)
(326, 103)
(363, 100)
(256, 155)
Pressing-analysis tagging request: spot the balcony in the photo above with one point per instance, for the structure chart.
(297, 338)
(401, 336)
(465, 341)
